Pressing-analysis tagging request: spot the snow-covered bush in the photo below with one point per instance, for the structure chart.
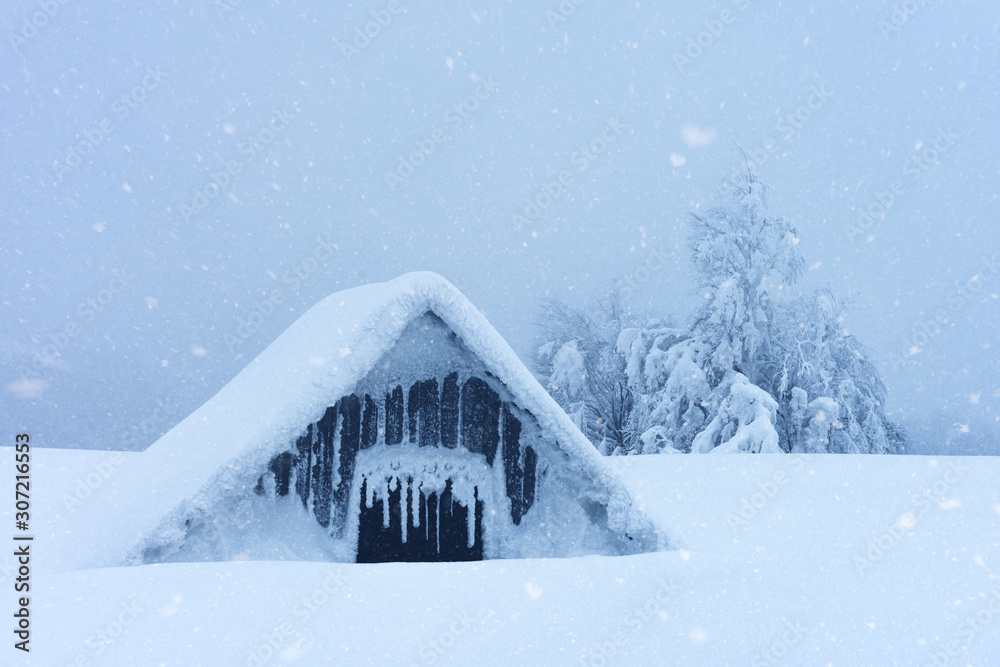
(743, 424)
(821, 417)
(657, 441)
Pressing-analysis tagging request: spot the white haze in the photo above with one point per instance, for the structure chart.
(200, 80)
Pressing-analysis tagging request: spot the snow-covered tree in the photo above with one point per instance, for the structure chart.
(816, 355)
(666, 369)
(756, 370)
(582, 369)
(743, 259)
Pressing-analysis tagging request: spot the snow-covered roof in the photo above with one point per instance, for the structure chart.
(319, 358)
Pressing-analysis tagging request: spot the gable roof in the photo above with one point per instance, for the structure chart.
(259, 413)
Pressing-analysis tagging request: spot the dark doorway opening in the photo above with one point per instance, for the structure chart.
(442, 535)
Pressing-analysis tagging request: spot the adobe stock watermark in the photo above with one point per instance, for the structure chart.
(779, 648)
(226, 175)
(455, 117)
(706, 39)
(223, 7)
(435, 648)
(966, 632)
(893, 534)
(7, 569)
(165, 408)
(98, 133)
(295, 276)
(103, 639)
(30, 28)
(280, 638)
(918, 164)
(635, 619)
(901, 13)
(925, 331)
(86, 312)
(654, 262)
(93, 480)
(381, 19)
(789, 127)
(581, 159)
(563, 11)
(767, 488)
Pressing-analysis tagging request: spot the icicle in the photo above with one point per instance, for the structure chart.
(385, 503)
(333, 455)
(471, 520)
(369, 494)
(415, 505)
(404, 510)
(427, 517)
(437, 525)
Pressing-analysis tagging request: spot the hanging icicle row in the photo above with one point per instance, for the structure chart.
(470, 415)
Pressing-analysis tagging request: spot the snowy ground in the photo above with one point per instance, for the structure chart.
(840, 560)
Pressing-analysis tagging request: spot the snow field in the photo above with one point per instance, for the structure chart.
(784, 560)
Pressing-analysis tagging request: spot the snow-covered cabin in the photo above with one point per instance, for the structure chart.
(391, 422)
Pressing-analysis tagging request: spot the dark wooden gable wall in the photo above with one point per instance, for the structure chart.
(436, 413)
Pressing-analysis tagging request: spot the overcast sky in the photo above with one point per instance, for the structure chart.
(169, 169)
